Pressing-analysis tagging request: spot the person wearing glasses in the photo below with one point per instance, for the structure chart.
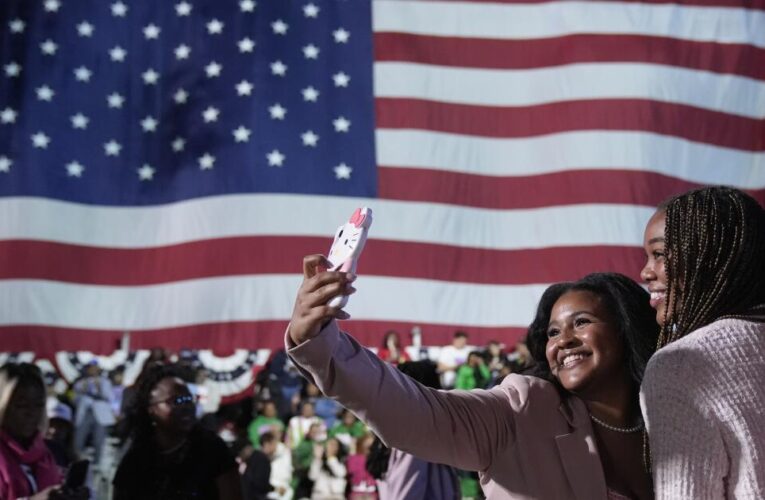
(170, 456)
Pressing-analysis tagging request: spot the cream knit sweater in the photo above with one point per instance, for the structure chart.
(703, 399)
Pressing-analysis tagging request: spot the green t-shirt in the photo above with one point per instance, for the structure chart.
(260, 425)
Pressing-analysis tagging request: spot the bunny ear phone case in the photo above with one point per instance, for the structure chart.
(347, 247)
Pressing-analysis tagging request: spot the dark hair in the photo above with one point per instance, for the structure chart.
(139, 423)
(23, 374)
(388, 334)
(424, 372)
(460, 334)
(629, 304)
(714, 242)
(266, 437)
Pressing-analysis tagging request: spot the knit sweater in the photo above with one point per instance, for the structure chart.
(703, 399)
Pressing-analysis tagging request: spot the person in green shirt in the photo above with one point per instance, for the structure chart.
(347, 428)
(474, 374)
(267, 421)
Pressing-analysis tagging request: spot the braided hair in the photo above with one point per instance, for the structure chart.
(139, 422)
(715, 259)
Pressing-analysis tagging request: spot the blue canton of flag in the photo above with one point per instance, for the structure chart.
(143, 103)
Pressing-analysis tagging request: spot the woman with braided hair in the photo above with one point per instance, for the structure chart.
(703, 393)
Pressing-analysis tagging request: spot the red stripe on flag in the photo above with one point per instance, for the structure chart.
(559, 188)
(235, 256)
(45, 341)
(735, 59)
(679, 120)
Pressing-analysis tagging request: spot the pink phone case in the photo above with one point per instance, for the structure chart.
(347, 246)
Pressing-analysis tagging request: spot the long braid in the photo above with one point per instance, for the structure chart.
(715, 265)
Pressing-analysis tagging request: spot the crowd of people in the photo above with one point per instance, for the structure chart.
(618, 393)
(172, 438)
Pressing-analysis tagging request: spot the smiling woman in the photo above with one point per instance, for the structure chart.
(529, 437)
(704, 399)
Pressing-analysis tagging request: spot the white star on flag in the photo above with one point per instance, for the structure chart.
(182, 51)
(277, 112)
(310, 94)
(150, 77)
(48, 47)
(210, 114)
(17, 26)
(341, 79)
(246, 45)
(278, 68)
(311, 51)
(178, 144)
(82, 74)
(309, 138)
(52, 5)
(149, 124)
(183, 9)
(85, 29)
(119, 9)
(80, 121)
(12, 69)
(45, 93)
(310, 10)
(40, 140)
(213, 70)
(215, 27)
(8, 115)
(181, 96)
(244, 88)
(341, 124)
(5, 164)
(117, 54)
(75, 169)
(341, 35)
(206, 162)
(151, 32)
(247, 5)
(275, 158)
(343, 171)
(112, 148)
(115, 100)
(241, 134)
(146, 172)
(279, 27)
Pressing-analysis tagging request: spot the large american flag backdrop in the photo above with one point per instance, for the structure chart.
(164, 166)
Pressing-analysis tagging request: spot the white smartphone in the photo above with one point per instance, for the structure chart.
(347, 246)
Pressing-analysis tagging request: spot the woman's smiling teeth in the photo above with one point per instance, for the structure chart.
(572, 359)
(657, 297)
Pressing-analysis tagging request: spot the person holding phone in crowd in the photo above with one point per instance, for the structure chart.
(28, 470)
(574, 431)
(704, 390)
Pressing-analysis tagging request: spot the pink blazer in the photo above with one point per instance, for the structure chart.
(522, 437)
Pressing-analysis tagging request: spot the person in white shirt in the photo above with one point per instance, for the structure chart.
(451, 357)
(94, 413)
(328, 471)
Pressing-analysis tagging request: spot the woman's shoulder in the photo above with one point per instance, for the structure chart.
(707, 345)
(521, 389)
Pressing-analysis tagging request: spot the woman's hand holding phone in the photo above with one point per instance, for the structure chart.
(312, 310)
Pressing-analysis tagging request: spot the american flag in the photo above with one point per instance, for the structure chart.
(164, 166)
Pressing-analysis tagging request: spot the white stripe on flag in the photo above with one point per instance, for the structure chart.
(257, 298)
(275, 215)
(569, 151)
(491, 87)
(554, 19)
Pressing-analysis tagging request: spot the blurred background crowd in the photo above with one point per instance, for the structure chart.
(283, 439)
